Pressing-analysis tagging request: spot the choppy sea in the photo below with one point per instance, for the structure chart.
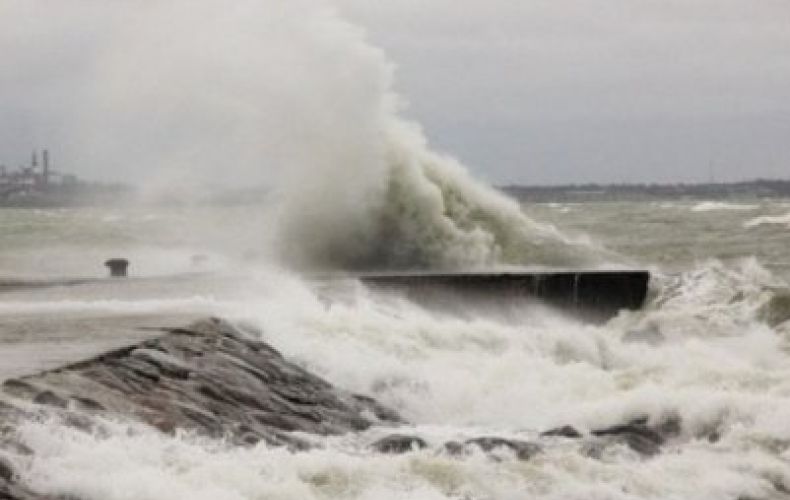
(718, 360)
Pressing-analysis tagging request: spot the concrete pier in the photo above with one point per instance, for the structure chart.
(592, 295)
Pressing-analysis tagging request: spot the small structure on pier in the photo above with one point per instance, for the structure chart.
(118, 267)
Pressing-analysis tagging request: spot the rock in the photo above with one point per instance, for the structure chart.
(399, 443)
(6, 471)
(776, 311)
(454, 448)
(87, 404)
(210, 378)
(565, 431)
(524, 450)
(636, 435)
(670, 426)
(49, 398)
(10, 490)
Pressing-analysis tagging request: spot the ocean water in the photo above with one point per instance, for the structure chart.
(719, 300)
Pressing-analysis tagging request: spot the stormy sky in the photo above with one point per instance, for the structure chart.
(538, 91)
(555, 91)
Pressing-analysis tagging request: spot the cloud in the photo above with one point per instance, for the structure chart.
(123, 89)
(572, 90)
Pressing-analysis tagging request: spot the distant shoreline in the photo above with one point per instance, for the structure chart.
(758, 188)
(98, 195)
(69, 195)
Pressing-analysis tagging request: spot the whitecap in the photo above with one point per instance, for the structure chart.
(710, 206)
(768, 219)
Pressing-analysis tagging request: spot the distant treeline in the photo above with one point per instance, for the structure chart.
(758, 188)
(66, 195)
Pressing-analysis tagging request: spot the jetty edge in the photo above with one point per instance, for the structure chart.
(590, 295)
(209, 377)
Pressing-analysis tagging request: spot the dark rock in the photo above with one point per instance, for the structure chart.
(638, 436)
(19, 388)
(670, 426)
(164, 363)
(87, 404)
(79, 421)
(524, 450)
(210, 378)
(454, 448)
(49, 398)
(399, 443)
(10, 490)
(6, 471)
(711, 431)
(565, 431)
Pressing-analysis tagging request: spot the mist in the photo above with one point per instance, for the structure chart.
(198, 96)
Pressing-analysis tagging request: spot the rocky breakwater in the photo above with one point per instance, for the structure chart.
(217, 381)
(209, 378)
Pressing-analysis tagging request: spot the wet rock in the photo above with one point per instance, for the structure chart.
(454, 448)
(87, 404)
(712, 431)
(670, 426)
(644, 443)
(6, 471)
(637, 435)
(16, 387)
(399, 443)
(210, 378)
(565, 431)
(524, 450)
(49, 398)
(777, 310)
(165, 364)
(10, 490)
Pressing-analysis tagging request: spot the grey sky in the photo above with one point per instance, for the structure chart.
(539, 91)
(583, 90)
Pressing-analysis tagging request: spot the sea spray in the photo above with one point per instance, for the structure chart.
(424, 210)
(724, 379)
(285, 93)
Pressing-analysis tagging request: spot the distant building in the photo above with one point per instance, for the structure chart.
(32, 179)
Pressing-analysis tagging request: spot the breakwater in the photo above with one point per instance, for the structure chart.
(593, 295)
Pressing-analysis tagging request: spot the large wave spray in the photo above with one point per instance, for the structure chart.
(198, 94)
(427, 212)
(402, 205)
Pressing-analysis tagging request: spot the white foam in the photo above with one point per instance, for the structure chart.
(131, 463)
(710, 206)
(783, 220)
(198, 304)
(512, 373)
